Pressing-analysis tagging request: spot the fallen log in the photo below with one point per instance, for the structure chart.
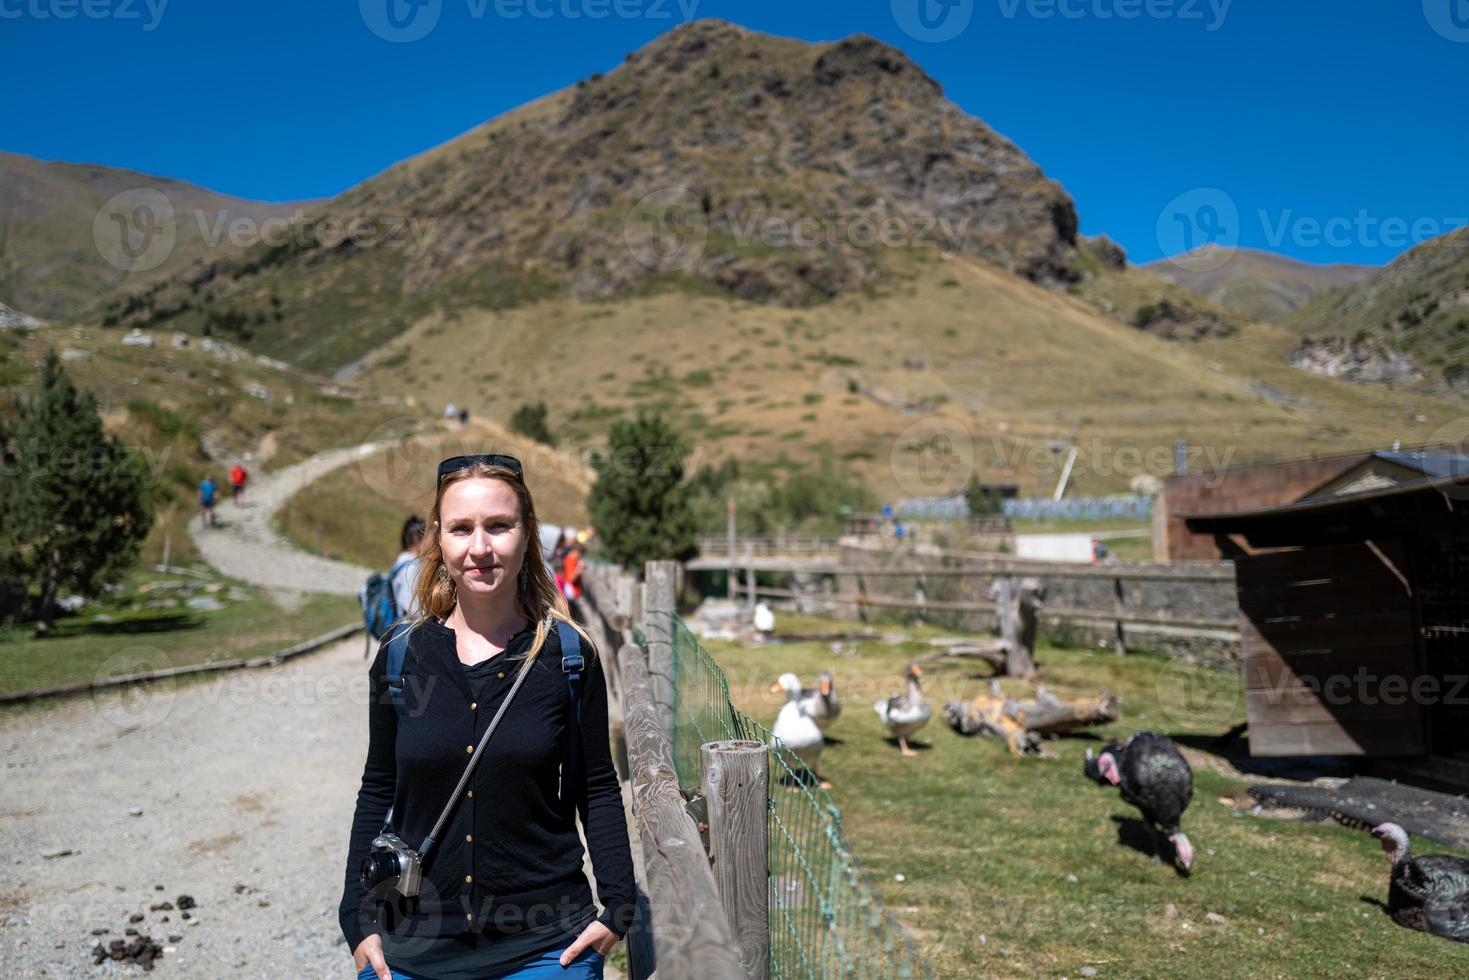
(1024, 725)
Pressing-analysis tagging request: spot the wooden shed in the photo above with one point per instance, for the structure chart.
(1354, 612)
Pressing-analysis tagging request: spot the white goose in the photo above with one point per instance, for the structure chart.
(795, 729)
(820, 703)
(904, 714)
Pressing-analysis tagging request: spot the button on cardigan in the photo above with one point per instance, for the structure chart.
(510, 855)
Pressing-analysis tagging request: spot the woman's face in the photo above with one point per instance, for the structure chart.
(481, 536)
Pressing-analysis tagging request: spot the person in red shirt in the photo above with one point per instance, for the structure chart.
(571, 571)
(238, 479)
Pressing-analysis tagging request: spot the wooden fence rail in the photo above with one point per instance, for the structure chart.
(691, 936)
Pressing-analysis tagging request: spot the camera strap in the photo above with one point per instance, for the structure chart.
(433, 835)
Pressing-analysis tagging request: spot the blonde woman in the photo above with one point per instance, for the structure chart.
(503, 892)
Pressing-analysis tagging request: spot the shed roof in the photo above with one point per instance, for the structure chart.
(1453, 487)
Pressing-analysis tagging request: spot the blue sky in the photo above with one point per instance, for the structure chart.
(1330, 131)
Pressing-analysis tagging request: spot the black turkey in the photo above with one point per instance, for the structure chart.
(1154, 777)
(1429, 893)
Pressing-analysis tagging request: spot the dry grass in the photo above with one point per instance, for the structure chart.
(357, 512)
(999, 366)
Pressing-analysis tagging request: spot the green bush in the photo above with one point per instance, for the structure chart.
(530, 421)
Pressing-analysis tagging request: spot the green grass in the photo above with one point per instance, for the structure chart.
(140, 638)
(985, 842)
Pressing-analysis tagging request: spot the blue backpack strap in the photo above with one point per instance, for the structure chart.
(397, 656)
(572, 666)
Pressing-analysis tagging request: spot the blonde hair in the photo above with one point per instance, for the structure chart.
(536, 595)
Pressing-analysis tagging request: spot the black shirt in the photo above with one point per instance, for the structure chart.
(510, 857)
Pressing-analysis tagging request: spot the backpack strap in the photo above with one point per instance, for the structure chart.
(572, 666)
(397, 655)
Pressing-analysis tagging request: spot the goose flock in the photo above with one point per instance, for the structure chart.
(809, 711)
(1428, 893)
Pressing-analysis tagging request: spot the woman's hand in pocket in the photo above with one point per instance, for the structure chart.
(596, 936)
(370, 951)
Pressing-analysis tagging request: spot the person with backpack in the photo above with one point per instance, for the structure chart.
(389, 598)
(208, 489)
(404, 573)
(238, 479)
(487, 741)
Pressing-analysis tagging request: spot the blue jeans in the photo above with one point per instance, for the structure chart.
(587, 966)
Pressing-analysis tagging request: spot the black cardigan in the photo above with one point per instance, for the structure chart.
(510, 852)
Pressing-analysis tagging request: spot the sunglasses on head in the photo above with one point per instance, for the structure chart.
(456, 463)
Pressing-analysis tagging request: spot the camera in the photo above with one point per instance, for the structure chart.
(392, 863)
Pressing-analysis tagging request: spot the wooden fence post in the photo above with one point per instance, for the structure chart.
(750, 599)
(736, 789)
(1119, 640)
(658, 609)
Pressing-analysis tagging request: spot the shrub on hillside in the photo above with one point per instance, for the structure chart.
(530, 421)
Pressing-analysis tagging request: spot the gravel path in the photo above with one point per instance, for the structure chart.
(246, 547)
(246, 783)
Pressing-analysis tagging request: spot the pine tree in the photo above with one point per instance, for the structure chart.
(76, 505)
(639, 504)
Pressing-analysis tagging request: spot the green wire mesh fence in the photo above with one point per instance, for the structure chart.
(825, 920)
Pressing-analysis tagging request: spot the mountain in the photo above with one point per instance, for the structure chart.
(793, 250)
(62, 228)
(1408, 322)
(714, 159)
(1261, 285)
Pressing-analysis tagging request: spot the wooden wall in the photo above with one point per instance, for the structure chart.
(1323, 629)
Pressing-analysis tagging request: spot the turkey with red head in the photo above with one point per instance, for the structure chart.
(1154, 777)
(1428, 893)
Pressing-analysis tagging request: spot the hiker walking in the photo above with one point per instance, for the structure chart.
(238, 479)
(493, 652)
(207, 492)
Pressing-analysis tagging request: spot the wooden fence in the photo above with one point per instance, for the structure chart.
(1188, 608)
(682, 928)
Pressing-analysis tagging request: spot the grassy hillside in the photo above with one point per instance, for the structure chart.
(357, 513)
(1260, 285)
(1418, 306)
(190, 411)
(955, 364)
(52, 240)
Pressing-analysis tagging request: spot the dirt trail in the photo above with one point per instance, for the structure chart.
(247, 547)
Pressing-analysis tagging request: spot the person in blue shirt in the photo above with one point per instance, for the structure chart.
(207, 492)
